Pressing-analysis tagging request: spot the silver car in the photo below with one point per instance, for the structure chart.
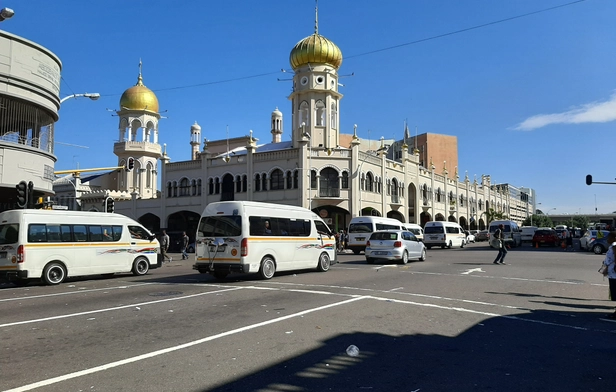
(397, 245)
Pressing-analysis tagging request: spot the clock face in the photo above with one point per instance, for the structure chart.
(304, 81)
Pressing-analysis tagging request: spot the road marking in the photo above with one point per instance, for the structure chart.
(78, 291)
(152, 354)
(114, 308)
(472, 270)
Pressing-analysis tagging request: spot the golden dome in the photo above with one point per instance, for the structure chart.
(139, 97)
(315, 49)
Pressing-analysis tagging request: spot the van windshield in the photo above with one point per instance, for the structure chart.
(8, 233)
(361, 227)
(433, 230)
(220, 226)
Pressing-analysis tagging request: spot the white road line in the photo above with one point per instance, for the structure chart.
(78, 291)
(115, 308)
(152, 354)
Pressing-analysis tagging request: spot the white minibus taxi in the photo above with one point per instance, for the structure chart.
(361, 227)
(246, 236)
(416, 229)
(511, 232)
(444, 234)
(55, 244)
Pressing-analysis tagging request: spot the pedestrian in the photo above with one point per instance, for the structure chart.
(345, 239)
(164, 246)
(610, 262)
(569, 240)
(337, 237)
(185, 240)
(498, 242)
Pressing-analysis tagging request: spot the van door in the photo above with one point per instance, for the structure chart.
(9, 235)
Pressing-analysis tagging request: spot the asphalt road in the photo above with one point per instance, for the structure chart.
(453, 322)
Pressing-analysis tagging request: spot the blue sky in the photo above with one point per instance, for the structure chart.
(531, 96)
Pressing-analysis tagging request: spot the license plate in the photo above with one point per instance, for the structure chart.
(434, 237)
(360, 238)
(380, 253)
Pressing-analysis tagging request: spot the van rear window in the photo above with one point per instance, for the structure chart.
(8, 233)
(220, 226)
(361, 228)
(433, 230)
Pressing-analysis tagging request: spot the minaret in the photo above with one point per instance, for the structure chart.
(138, 139)
(195, 138)
(276, 126)
(315, 97)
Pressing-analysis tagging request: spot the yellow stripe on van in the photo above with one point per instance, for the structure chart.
(8, 267)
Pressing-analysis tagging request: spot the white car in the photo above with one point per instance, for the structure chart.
(470, 237)
(397, 245)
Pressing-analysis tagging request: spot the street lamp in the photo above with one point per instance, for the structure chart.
(309, 137)
(6, 13)
(368, 154)
(92, 96)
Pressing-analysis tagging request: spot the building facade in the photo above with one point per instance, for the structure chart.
(336, 174)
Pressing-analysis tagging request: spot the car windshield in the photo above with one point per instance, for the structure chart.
(543, 232)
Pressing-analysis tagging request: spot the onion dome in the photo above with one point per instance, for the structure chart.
(139, 97)
(195, 127)
(315, 49)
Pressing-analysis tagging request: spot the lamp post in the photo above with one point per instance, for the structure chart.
(6, 13)
(368, 154)
(92, 96)
(309, 137)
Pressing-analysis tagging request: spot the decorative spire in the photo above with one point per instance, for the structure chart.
(140, 78)
(316, 17)
(432, 164)
(445, 172)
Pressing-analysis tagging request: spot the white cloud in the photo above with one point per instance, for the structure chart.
(594, 112)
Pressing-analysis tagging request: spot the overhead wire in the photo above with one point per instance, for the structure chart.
(376, 50)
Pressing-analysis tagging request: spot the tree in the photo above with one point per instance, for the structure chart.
(538, 221)
(493, 215)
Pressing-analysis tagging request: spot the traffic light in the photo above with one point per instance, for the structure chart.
(130, 165)
(30, 194)
(22, 194)
(109, 204)
(588, 179)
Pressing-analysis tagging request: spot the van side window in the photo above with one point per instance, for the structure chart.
(299, 228)
(79, 233)
(116, 233)
(95, 233)
(322, 227)
(53, 233)
(138, 232)
(66, 233)
(37, 233)
(452, 230)
(385, 226)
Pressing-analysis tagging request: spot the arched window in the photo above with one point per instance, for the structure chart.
(211, 186)
(461, 200)
(238, 184)
(217, 186)
(148, 175)
(276, 180)
(345, 180)
(184, 187)
(303, 113)
(313, 179)
(257, 182)
(169, 190)
(244, 183)
(333, 113)
(199, 187)
(394, 188)
(289, 179)
(194, 187)
(369, 182)
(320, 113)
(296, 179)
(438, 195)
(264, 182)
(329, 183)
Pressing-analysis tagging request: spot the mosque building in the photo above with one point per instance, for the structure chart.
(336, 175)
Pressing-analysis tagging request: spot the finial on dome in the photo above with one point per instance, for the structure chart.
(316, 17)
(140, 78)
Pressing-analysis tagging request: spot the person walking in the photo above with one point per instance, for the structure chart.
(164, 246)
(498, 242)
(185, 240)
(610, 262)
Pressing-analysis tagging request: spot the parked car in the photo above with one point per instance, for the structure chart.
(598, 245)
(545, 236)
(590, 235)
(470, 237)
(482, 235)
(398, 245)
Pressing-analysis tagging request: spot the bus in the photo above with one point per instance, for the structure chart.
(53, 245)
(263, 238)
(361, 227)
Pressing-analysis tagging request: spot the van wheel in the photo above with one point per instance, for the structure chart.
(369, 260)
(268, 268)
(429, 246)
(324, 262)
(405, 258)
(423, 255)
(141, 266)
(54, 273)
